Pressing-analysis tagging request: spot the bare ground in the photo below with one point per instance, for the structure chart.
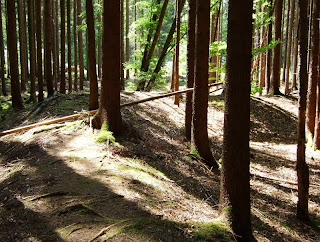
(58, 184)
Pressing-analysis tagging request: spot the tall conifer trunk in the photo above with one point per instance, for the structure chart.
(2, 58)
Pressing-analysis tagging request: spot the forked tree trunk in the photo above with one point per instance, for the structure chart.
(235, 176)
(190, 65)
(94, 103)
(2, 58)
(302, 167)
(109, 110)
(80, 45)
(32, 48)
(199, 137)
(48, 46)
(63, 47)
(13, 55)
(312, 87)
(39, 51)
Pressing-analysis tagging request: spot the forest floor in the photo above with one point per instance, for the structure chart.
(57, 183)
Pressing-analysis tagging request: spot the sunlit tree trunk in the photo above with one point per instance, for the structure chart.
(69, 44)
(13, 55)
(32, 48)
(2, 58)
(39, 50)
(80, 45)
(127, 37)
(190, 65)
(75, 25)
(121, 44)
(177, 58)
(295, 53)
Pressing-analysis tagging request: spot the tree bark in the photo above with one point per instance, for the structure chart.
(80, 45)
(190, 65)
(75, 24)
(121, 44)
(235, 176)
(94, 103)
(32, 48)
(269, 54)
(199, 137)
(23, 44)
(276, 65)
(109, 110)
(302, 167)
(2, 58)
(295, 53)
(177, 83)
(48, 46)
(69, 45)
(13, 56)
(286, 49)
(312, 87)
(127, 38)
(63, 47)
(39, 51)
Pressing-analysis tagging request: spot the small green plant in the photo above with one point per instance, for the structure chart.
(212, 231)
(105, 135)
(194, 154)
(254, 88)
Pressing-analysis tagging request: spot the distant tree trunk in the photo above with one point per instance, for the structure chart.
(13, 55)
(32, 48)
(302, 167)
(262, 81)
(287, 78)
(121, 44)
(312, 87)
(295, 54)
(80, 43)
(23, 44)
(54, 46)
(57, 74)
(135, 31)
(94, 103)
(269, 54)
(190, 65)
(39, 50)
(109, 110)
(48, 46)
(177, 84)
(286, 50)
(127, 38)
(235, 176)
(276, 65)
(75, 82)
(69, 45)
(317, 128)
(63, 47)
(2, 58)
(99, 49)
(199, 137)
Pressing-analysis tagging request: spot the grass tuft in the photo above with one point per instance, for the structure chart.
(105, 135)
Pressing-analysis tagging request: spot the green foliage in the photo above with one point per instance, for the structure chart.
(105, 135)
(218, 48)
(265, 48)
(255, 88)
(212, 231)
(194, 154)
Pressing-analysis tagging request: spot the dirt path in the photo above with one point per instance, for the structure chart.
(59, 184)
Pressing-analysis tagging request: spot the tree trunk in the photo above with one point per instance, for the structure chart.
(317, 130)
(80, 45)
(54, 47)
(32, 48)
(109, 110)
(235, 176)
(121, 44)
(286, 49)
(2, 58)
(190, 65)
(199, 137)
(295, 53)
(177, 84)
(23, 44)
(312, 87)
(99, 49)
(276, 65)
(63, 47)
(127, 38)
(302, 167)
(75, 81)
(57, 62)
(69, 45)
(39, 51)
(13, 55)
(48, 46)
(269, 54)
(94, 103)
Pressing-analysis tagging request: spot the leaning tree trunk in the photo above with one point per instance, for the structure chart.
(199, 137)
(94, 103)
(13, 56)
(302, 167)
(235, 176)
(190, 65)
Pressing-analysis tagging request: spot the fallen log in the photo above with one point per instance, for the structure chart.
(79, 115)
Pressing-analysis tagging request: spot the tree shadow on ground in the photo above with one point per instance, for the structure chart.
(44, 199)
